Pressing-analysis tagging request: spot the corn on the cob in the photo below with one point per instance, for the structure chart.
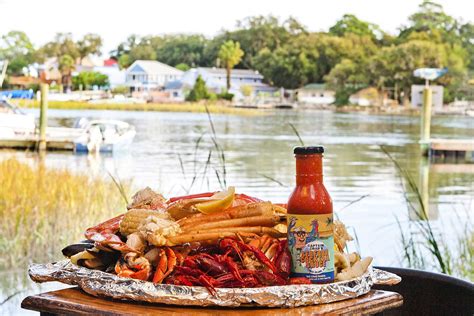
(135, 217)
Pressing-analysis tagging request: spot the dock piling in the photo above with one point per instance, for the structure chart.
(426, 120)
(43, 122)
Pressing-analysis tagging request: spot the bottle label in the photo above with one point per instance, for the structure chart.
(311, 244)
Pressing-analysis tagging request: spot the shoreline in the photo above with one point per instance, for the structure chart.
(220, 108)
(215, 108)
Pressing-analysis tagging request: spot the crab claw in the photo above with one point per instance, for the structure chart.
(123, 270)
(165, 265)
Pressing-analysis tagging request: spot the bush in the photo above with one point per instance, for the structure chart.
(120, 90)
(225, 96)
(182, 67)
(199, 91)
(88, 79)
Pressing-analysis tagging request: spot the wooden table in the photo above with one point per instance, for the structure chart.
(73, 301)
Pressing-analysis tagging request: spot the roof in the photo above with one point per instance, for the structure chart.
(174, 85)
(315, 86)
(152, 67)
(110, 62)
(234, 73)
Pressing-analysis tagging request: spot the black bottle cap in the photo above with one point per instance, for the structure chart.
(308, 150)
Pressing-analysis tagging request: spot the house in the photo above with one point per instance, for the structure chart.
(241, 80)
(367, 97)
(113, 72)
(317, 94)
(175, 90)
(147, 75)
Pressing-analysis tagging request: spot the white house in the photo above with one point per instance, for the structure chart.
(115, 75)
(316, 93)
(216, 81)
(146, 75)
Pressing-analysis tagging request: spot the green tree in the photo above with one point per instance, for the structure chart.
(230, 55)
(350, 24)
(181, 49)
(63, 44)
(309, 58)
(124, 61)
(17, 48)
(66, 66)
(182, 67)
(466, 33)
(394, 66)
(135, 48)
(254, 34)
(89, 79)
(142, 52)
(199, 91)
(346, 78)
(88, 45)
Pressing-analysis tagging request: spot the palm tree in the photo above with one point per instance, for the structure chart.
(230, 55)
(66, 66)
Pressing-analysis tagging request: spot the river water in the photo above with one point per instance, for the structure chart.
(176, 153)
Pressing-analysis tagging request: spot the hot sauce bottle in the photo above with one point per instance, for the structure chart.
(310, 219)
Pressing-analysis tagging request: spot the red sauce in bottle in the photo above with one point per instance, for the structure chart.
(310, 219)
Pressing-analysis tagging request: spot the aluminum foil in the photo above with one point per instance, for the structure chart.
(99, 283)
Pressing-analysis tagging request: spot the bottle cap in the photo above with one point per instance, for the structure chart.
(308, 150)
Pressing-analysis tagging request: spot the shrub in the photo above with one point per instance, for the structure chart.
(225, 96)
(199, 91)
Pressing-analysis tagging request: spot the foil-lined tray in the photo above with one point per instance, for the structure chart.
(99, 283)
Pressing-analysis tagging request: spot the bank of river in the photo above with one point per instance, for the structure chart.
(171, 149)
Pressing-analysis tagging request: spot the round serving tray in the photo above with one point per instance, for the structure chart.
(99, 283)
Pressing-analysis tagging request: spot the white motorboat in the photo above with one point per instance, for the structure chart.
(103, 135)
(19, 130)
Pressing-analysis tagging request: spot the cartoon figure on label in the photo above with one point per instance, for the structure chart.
(299, 237)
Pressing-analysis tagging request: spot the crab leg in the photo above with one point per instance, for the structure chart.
(215, 234)
(241, 211)
(268, 221)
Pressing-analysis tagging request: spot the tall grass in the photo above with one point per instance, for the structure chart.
(159, 107)
(422, 245)
(42, 210)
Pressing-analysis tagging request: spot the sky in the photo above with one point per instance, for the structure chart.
(114, 20)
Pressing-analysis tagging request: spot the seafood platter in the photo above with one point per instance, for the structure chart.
(218, 248)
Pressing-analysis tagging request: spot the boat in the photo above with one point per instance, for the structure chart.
(19, 130)
(14, 122)
(103, 135)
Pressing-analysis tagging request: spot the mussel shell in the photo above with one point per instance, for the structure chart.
(104, 256)
(73, 249)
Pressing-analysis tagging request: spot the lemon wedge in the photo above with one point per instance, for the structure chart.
(219, 201)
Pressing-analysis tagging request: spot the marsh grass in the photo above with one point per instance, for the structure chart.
(425, 247)
(215, 108)
(43, 209)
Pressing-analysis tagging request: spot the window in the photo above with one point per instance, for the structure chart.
(133, 77)
(321, 95)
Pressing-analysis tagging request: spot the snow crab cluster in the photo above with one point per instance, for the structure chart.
(216, 239)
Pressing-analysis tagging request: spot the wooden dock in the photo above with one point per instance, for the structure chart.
(455, 148)
(33, 143)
